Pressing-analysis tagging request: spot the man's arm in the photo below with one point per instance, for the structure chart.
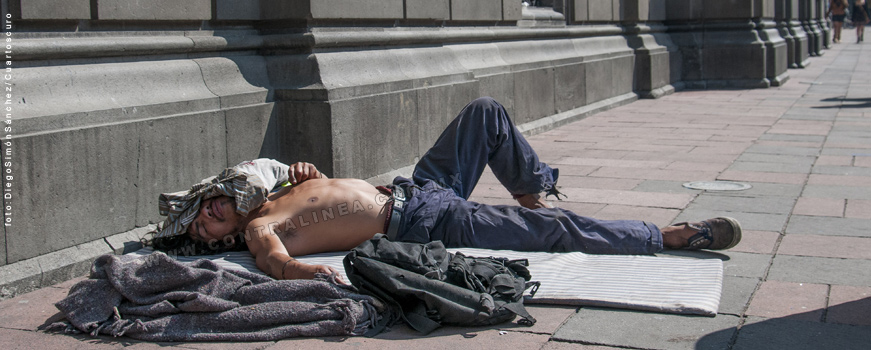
(271, 257)
(273, 173)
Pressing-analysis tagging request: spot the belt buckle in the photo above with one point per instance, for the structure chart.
(399, 194)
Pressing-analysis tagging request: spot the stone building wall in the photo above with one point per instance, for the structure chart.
(115, 101)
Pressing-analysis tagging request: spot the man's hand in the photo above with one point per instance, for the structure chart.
(302, 171)
(299, 270)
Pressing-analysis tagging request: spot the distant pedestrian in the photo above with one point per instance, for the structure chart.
(860, 18)
(838, 10)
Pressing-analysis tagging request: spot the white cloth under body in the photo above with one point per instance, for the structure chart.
(660, 284)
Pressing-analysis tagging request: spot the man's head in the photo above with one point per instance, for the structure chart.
(211, 212)
(216, 219)
(212, 231)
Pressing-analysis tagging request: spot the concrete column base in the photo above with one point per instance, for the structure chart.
(654, 52)
(790, 43)
(815, 37)
(801, 44)
(776, 51)
(723, 55)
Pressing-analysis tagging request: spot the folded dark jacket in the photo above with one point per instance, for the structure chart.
(157, 298)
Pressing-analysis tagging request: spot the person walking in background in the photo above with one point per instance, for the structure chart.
(838, 10)
(860, 18)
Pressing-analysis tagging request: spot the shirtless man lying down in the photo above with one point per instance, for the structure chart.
(314, 214)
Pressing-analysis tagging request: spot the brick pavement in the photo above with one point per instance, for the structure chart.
(799, 280)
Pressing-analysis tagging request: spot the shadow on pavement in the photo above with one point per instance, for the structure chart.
(698, 254)
(846, 102)
(830, 328)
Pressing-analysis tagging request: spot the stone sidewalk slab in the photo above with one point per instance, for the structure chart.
(644, 199)
(31, 311)
(842, 170)
(834, 160)
(663, 186)
(759, 242)
(763, 205)
(821, 225)
(791, 151)
(737, 292)
(767, 167)
(749, 221)
(761, 189)
(837, 180)
(858, 209)
(698, 166)
(13, 339)
(778, 158)
(809, 144)
(759, 176)
(654, 174)
(848, 272)
(686, 157)
(443, 338)
(811, 206)
(826, 246)
(849, 305)
(839, 191)
(598, 182)
(642, 330)
(735, 264)
(761, 333)
(796, 301)
(600, 162)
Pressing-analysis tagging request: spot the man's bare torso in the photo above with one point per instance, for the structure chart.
(323, 215)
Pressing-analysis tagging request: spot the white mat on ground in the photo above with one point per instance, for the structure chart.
(671, 285)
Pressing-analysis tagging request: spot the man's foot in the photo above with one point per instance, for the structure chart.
(716, 234)
(531, 201)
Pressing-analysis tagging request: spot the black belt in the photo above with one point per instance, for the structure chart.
(397, 196)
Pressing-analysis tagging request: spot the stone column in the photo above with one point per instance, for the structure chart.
(357, 77)
(807, 15)
(654, 51)
(782, 17)
(791, 29)
(720, 43)
(776, 48)
(823, 22)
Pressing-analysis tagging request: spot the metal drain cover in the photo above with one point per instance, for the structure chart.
(717, 185)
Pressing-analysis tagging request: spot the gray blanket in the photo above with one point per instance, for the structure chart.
(157, 298)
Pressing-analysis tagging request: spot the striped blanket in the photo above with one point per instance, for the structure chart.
(669, 285)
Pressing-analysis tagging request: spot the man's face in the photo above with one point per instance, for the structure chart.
(217, 218)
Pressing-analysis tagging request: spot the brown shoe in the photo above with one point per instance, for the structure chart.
(716, 234)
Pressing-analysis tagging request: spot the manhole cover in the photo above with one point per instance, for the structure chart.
(716, 185)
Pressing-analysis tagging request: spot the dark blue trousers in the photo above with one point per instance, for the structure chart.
(482, 134)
